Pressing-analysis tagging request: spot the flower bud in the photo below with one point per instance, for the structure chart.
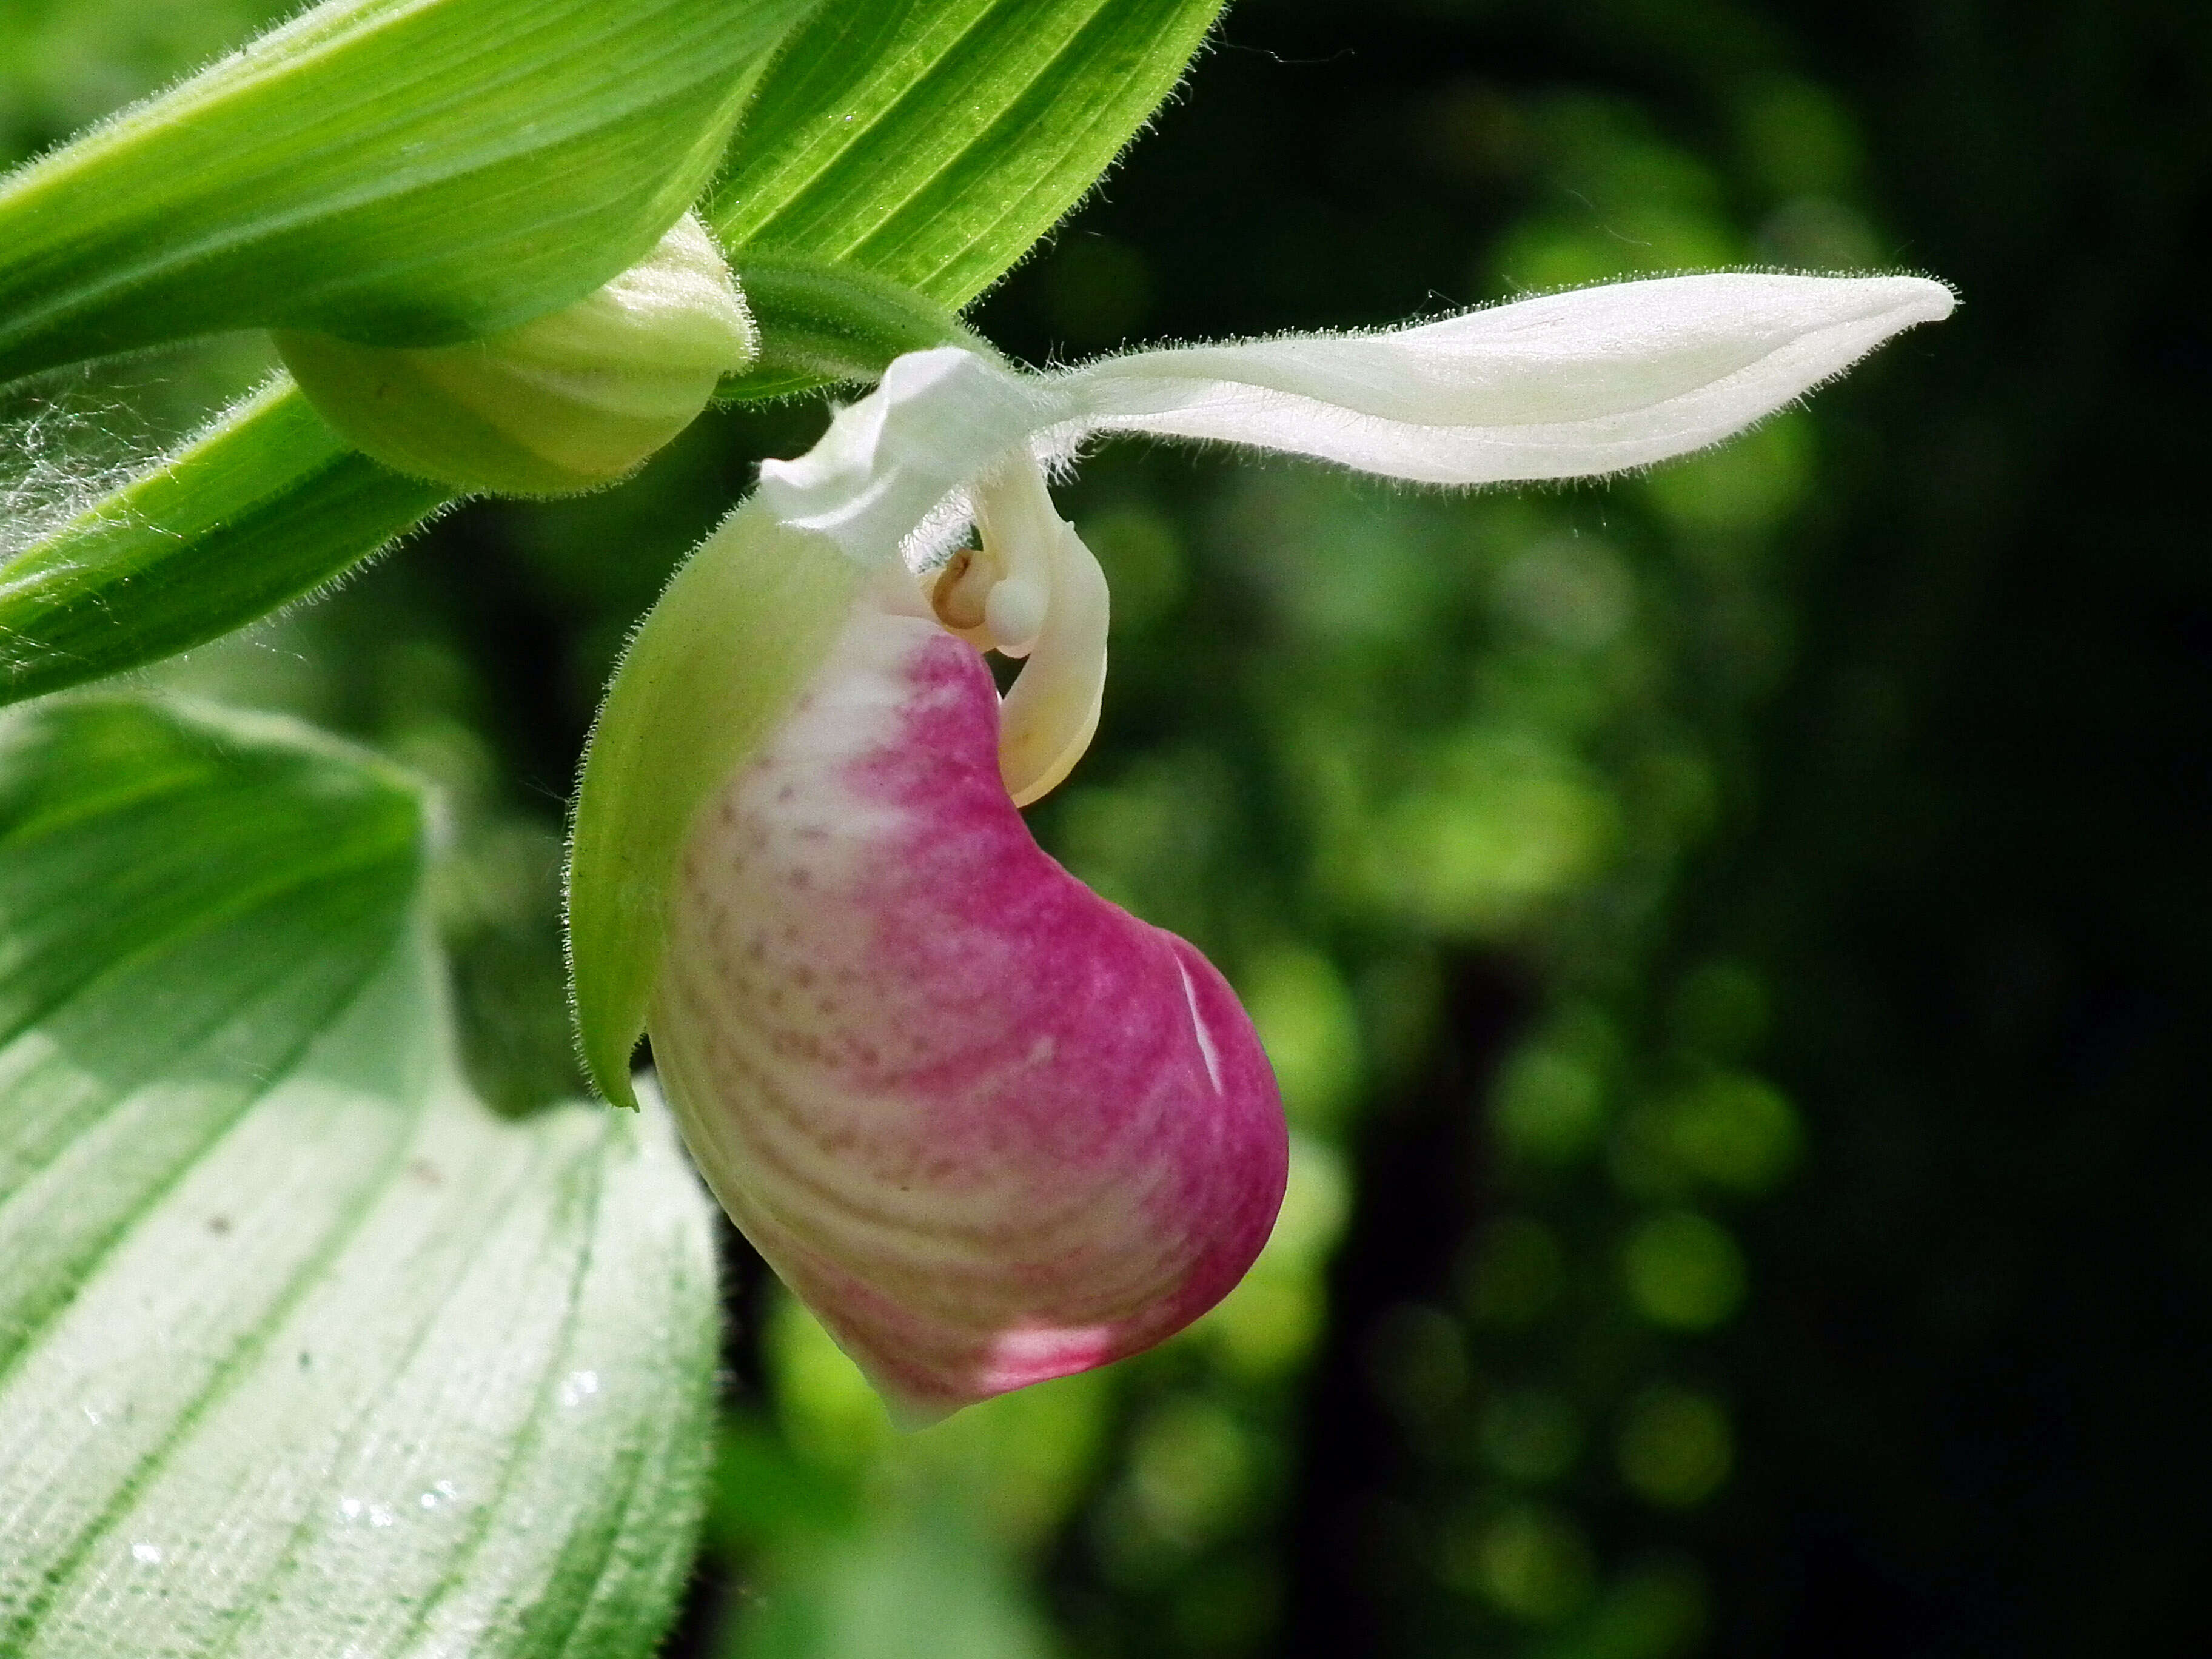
(567, 401)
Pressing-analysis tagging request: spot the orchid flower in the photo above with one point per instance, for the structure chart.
(990, 1127)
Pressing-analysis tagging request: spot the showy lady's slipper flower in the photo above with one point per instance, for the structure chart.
(990, 1127)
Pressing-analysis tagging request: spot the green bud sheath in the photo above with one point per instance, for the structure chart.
(568, 401)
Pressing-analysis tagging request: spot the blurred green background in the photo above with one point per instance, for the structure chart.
(1735, 941)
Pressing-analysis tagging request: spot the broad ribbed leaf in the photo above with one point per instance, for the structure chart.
(398, 172)
(931, 142)
(302, 1352)
(900, 155)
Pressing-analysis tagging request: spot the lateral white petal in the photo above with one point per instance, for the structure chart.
(1563, 386)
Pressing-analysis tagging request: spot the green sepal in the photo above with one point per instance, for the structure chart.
(822, 324)
(298, 1342)
(393, 172)
(811, 193)
(265, 506)
(707, 677)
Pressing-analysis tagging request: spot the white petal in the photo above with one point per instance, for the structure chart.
(939, 420)
(1052, 710)
(1564, 385)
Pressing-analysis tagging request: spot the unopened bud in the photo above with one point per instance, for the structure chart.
(567, 401)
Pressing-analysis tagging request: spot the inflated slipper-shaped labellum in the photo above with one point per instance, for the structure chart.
(990, 1127)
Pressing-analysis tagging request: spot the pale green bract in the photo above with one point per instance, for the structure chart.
(747, 619)
(303, 1352)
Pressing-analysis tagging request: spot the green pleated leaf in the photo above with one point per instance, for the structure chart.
(899, 156)
(301, 1351)
(265, 505)
(931, 142)
(396, 172)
